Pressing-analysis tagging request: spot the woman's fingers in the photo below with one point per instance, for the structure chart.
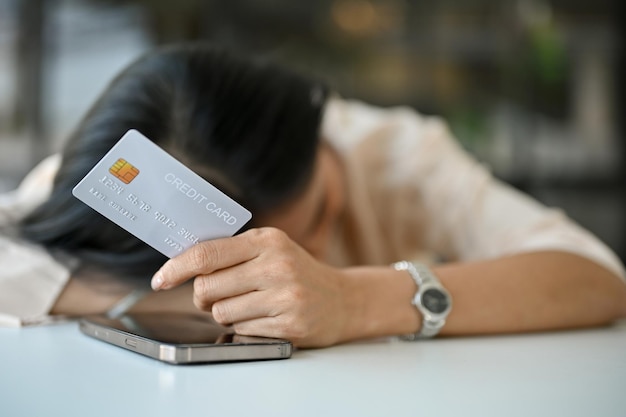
(229, 282)
(280, 327)
(207, 257)
(243, 307)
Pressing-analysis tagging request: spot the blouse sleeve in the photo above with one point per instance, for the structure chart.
(474, 215)
(30, 279)
(456, 207)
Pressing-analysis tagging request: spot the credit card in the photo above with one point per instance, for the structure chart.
(149, 193)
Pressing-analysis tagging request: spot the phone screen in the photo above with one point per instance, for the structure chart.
(174, 328)
(169, 328)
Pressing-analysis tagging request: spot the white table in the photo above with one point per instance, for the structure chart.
(57, 371)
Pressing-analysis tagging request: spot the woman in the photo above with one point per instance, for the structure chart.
(340, 191)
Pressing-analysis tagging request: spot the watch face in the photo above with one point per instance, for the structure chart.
(435, 301)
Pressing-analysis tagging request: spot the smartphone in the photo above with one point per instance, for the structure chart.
(179, 338)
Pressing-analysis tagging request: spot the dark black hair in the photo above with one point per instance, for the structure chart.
(247, 126)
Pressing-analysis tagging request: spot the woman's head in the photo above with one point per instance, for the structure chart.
(248, 127)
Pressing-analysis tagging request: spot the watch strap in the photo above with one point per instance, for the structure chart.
(424, 279)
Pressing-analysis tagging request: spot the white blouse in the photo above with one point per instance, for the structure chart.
(30, 279)
(413, 193)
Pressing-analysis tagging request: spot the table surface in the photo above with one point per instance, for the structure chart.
(56, 370)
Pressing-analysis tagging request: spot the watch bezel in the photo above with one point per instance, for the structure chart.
(419, 301)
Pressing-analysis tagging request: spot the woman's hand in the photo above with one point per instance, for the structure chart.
(264, 284)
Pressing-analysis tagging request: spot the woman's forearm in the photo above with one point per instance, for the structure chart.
(81, 298)
(522, 293)
(531, 292)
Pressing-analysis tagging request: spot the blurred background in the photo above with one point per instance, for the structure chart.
(533, 88)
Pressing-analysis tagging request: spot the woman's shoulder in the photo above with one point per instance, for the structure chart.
(398, 142)
(352, 124)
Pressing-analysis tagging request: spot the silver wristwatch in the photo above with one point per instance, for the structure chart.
(431, 299)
